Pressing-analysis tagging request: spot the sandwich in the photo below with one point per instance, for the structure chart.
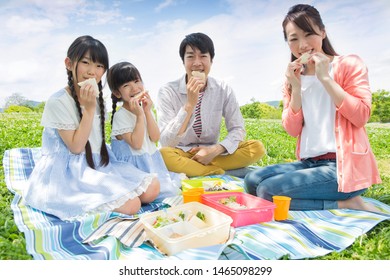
(139, 95)
(91, 81)
(305, 58)
(200, 75)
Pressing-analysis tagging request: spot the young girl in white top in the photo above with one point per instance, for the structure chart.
(134, 128)
(77, 173)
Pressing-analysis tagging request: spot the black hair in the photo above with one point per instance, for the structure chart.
(117, 75)
(197, 40)
(304, 16)
(98, 53)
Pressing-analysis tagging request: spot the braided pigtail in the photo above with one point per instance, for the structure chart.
(114, 102)
(104, 160)
(88, 150)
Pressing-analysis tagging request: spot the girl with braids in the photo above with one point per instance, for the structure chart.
(327, 102)
(134, 129)
(77, 174)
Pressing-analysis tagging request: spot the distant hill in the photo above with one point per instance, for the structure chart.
(28, 103)
(274, 103)
(33, 103)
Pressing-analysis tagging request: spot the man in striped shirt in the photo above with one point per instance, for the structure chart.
(190, 113)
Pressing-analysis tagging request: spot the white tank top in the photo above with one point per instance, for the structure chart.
(319, 114)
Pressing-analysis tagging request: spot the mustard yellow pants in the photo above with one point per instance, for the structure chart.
(247, 153)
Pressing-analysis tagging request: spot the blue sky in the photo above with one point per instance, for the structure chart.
(251, 54)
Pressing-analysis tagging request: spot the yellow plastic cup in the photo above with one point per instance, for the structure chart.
(193, 195)
(282, 206)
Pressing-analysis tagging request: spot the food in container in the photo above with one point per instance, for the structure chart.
(186, 226)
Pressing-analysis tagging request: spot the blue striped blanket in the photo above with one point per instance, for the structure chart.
(306, 234)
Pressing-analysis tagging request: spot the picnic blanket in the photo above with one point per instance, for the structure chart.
(306, 234)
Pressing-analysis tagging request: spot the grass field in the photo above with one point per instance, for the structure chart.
(23, 130)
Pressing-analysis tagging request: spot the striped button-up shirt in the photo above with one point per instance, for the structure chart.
(218, 102)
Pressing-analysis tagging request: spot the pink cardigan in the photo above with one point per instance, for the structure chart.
(356, 164)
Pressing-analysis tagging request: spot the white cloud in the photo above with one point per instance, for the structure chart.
(20, 25)
(165, 4)
(250, 50)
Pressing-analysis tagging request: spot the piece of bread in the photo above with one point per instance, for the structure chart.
(305, 58)
(198, 74)
(139, 95)
(91, 81)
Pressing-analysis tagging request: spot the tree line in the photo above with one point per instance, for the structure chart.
(380, 110)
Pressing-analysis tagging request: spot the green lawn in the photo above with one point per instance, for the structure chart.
(23, 130)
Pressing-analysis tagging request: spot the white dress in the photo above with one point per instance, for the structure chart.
(148, 158)
(63, 184)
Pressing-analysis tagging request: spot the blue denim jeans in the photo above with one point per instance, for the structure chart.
(311, 184)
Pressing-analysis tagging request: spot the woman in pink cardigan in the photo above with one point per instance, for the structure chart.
(327, 102)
